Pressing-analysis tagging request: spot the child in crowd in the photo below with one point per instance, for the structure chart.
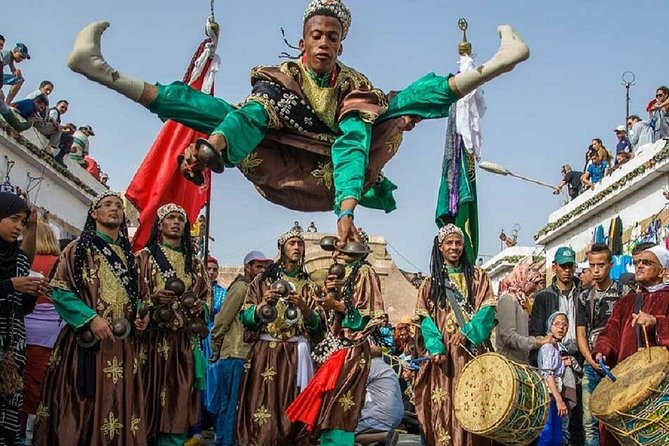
(552, 368)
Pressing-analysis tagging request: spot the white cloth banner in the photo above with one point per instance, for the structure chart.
(209, 52)
(469, 111)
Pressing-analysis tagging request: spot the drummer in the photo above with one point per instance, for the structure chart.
(649, 309)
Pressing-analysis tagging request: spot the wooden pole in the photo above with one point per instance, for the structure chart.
(207, 215)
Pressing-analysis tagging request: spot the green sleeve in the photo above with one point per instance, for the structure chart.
(357, 323)
(244, 129)
(434, 342)
(429, 97)
(248, 318)
(72, 309)
(479, 328)
(350, 153)
(314, 325)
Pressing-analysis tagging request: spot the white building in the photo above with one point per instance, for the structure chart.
(633, 193)
(65, 193)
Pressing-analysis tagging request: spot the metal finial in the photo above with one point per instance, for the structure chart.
(464, 48)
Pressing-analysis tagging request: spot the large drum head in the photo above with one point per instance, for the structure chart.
(484, 393)
(637, 377)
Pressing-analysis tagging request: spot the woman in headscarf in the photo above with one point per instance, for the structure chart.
(512, 332)
(17, 298)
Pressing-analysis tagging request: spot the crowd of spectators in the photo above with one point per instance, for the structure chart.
(562, 327)
(630, 140)
(63, 139)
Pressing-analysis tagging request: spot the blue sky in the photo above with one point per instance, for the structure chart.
(540, 116)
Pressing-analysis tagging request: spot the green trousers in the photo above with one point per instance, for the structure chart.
(336, 437)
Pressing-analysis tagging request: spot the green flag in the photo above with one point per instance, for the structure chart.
(466, 217)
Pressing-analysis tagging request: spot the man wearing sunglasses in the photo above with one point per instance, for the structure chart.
(646, 310)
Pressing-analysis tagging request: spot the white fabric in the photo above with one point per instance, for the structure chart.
(469, 111)
(662, 255)
(305, 368)
(209, 52)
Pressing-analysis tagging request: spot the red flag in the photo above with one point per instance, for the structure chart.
(158, 180)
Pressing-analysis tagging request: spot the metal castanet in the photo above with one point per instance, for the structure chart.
(176, 285)
(121, 328)
(268, 313)
(329, 243)
(188, 300)
(199, 329)
(355, 249)
(165, 314)
(85, 338)
(339, 271)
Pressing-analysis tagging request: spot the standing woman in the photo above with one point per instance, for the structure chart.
(17, 298)
(42, 328)
(513, 340)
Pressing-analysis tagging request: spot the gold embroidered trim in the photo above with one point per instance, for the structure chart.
(373, 314)
(249, 163)
(134, 425)
(163, 397)
(444, 438)
(346, 401)
(274, 121)
(438, 395)
(54, 359)
(324, 137)
(60, 284)
(489, 303)
(111, 427)
(262, 415)
(394, 143)
(419, 313)
(42, 411)
(114, 370)
(164, 348)
(113, 297)
(324, 174)
(323, 100)
(290, 69)
(268, 374)
(257, 73)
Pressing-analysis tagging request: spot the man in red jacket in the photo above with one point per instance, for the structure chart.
(649, 308)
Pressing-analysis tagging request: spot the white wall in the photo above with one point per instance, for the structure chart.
(57, 193)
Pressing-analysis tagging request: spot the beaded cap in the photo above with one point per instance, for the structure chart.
(288, 235)
(336, 7)
(447, 230)
(103, 195)
(167, 209)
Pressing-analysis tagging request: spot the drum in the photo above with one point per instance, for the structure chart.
(502, 400)
(635, 407)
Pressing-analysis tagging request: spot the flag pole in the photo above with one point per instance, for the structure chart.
(207, 214)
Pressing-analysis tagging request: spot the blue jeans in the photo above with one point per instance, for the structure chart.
(590, 424)
(552, 433)
(231, 371)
